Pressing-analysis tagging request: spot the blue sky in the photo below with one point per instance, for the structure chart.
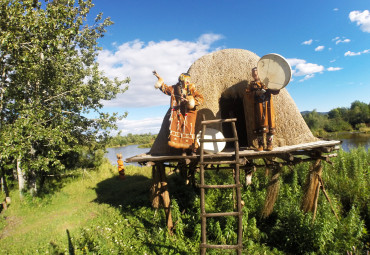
(327, 44)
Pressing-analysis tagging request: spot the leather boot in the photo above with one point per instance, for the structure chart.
(269, 142)
(260, 143)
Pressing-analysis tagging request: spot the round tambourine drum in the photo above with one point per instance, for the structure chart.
(274, 71)
(212, 147)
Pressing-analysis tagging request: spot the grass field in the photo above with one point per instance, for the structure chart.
(98, 213)
(50, 224)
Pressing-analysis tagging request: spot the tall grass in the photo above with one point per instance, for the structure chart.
(97, 213)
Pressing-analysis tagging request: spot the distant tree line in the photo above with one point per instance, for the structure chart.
(141, 139)
(356, 117)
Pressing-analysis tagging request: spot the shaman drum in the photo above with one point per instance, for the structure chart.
(212, 147)
(274, 71)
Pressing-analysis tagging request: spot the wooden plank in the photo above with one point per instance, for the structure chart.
(218, 121)
(278, 151)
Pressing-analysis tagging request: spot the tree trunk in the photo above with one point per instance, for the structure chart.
(32, 182)
(2, 185)
(4, 188)
(21, 180)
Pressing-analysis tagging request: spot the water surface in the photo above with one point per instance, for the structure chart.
(351, 140)
(127, 152)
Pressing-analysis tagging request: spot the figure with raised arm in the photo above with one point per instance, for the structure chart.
(184, 101)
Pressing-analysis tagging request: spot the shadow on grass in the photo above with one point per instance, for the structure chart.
(133, 191)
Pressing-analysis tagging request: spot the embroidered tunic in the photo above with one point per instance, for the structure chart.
(182, 119)
(263, 108)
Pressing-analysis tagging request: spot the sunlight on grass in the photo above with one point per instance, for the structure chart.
(27, 224)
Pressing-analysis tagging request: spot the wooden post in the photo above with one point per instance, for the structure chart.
(160, 194)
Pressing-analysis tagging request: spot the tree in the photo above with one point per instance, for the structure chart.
(49, 82)
(359, 113)
(315, 121)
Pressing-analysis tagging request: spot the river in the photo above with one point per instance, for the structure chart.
(349, 140)
(127, 152)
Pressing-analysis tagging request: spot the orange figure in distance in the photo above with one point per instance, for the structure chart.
(121, 167)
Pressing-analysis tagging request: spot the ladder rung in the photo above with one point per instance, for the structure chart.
(204, 122)
(217, 162)
(218, 168)
(221, 214)
(206, 140)
(220, 246)
(225, 186)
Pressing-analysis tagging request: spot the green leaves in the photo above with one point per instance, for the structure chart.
(50, 78)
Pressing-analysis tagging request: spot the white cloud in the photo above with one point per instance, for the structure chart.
(306, 77)
(330, 69)
(137, 60)
(149, 125)
(335, 9)
(342, 41)
(307, 42)
(319, 48)
(331, 61)
(336, 38)
(351, 54)
(362, 19)
(300, 67)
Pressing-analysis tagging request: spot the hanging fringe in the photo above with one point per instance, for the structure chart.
(312, 188)
(272, 192)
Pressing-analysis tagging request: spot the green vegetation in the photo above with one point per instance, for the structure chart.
(144, 140)
(357, 117)
(49, 82)
(97, 213)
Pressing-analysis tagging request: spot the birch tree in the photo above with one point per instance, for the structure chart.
(49, 82)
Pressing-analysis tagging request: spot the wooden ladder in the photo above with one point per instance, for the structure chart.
(233, 164)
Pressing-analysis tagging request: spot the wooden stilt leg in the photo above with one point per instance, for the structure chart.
(165, 195)
(327, 198)
(316, 199)
(160, 194)
(311, 187)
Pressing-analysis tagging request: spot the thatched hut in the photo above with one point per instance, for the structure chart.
(222, 78)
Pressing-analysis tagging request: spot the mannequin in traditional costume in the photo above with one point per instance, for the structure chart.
(121, 167)
(264, 111)
(184, 100)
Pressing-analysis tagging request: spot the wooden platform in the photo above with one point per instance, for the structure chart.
(283, 152)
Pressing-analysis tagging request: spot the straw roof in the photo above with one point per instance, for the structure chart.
(227, 73)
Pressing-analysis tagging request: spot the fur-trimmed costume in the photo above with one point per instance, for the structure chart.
(264, 113)
(263, 109)
(182, 119)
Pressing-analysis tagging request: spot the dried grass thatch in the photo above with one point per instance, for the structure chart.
(272, 193)
(226, 74)
(312, 187)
